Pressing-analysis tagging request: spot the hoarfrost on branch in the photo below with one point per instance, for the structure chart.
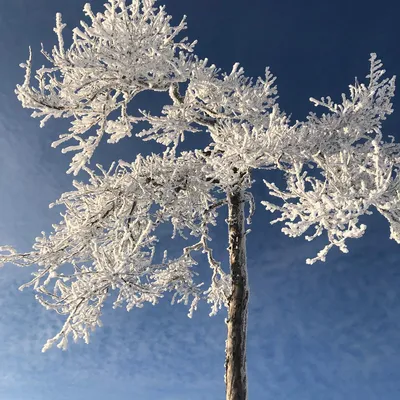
(337, 166)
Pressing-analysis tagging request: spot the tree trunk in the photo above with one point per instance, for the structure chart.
(235, 364)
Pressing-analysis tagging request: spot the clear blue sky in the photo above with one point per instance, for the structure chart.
(330, 331)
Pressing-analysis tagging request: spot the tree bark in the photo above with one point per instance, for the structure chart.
(235, 364)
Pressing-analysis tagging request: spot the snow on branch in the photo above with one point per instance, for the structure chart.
(354, 169)
(337, 166)
(107, 238)
(127, 49)
(215, 100)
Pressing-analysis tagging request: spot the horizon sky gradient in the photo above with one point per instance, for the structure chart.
(329, 331)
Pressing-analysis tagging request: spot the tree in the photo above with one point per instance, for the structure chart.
(336, 167)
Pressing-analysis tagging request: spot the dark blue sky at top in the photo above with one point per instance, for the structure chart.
(330, 331)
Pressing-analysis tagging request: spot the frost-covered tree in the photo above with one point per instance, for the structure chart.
(336, 168)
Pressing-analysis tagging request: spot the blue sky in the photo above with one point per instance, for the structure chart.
(330, 331)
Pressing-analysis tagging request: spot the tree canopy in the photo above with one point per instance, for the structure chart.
(336, 165)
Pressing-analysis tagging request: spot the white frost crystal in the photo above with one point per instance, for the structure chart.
(337, 166)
